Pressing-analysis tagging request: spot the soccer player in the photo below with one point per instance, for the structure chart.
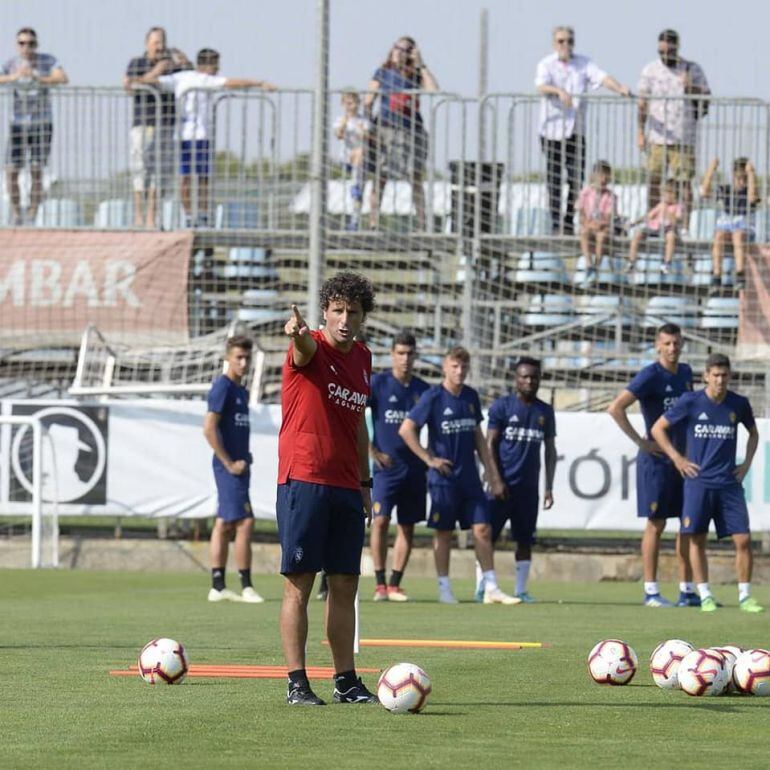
(658, 484)
(517, 426)
(452, 412)
(399, 476)
(323, 480)
(226, 428)
(712, 480)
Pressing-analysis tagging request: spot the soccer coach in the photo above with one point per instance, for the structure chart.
(323, 480)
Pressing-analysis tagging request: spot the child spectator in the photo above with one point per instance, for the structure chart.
(596, 207)
(664, 219)
(192, 90)
(736, 222)
(351, 128)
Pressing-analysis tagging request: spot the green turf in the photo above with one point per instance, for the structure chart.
(60, 633)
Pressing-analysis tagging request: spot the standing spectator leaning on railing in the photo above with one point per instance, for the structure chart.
(562, 78)
(152, 129)
(398, 146)
(352, 129)
(31, 129)
(193, 88)
(667, 126)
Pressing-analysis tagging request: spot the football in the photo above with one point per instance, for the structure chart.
(403, 688)
(703, 672)
(612, 661)
(665, 660)
(730, 653)
(163, 661)
(751, 673)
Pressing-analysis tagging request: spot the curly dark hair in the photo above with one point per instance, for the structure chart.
(350, 287)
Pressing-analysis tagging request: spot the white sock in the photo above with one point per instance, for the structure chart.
(744, 591)
(479, 578)
(704, 591)
(651, 587)
(443, 583)
(522, 575)
(687, 588)
(490, 580)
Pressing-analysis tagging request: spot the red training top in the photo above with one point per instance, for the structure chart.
(322, 404)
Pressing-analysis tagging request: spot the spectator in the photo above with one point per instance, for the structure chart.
(351, 128)
(399, 146)
(152, 130)
(31, 129)
(597, 206)
(195, 128)
(664, 218)
(562, 77)
(736, 223)
(670, 123)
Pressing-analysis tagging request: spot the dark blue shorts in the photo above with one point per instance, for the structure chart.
(520, 508)
(29, 143)
(451, 505)
(233, 503)
(406, 492)
(320, 527)
(725, 505)
(658, 488)
(195, 154)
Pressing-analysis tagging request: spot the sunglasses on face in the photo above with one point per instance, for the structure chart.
(568, 40)
(405, 49)
(30, 43)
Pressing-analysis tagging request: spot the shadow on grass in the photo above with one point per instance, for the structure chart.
(725, 708)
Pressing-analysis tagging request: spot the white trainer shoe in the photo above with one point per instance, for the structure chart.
(496, 596)
(225, 595)
(250, 596)
(445, 596)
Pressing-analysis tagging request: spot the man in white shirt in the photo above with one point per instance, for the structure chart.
(670, 121)
(562, 77)
(192, 90)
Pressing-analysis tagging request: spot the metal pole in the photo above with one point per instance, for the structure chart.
(483, 78)
(318, 165)
(37, 494)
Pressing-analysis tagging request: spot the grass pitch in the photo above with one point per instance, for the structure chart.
(61, 632)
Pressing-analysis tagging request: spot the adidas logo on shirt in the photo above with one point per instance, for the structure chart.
(447, 411)
(393, 398)
(703, 416)
(515, 418)
(668, 388)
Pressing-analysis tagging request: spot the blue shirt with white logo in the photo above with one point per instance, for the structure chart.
(390, 402)
(231, 402)
(523, 428)
(657, 390)
(452, 422)
(712, 431)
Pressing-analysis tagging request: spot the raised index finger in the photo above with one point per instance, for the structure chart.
(297, 317)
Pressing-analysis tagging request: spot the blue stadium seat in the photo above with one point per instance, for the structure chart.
(703, 223)
(702, 270)
(647, 271)
(540, 266)
(604, 304)
(237, 215)
(247, 263)
(728, 271)
(114, 213)
(59, 212)
(549, 310)
(761, 226)
(720, 313)
(678, 310)
(171, 217)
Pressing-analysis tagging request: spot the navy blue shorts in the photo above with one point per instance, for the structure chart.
(658, 488)
(520, 508)
(451, 505)
(725, 505)
(233, 503)
(320, 527)
(406, 492)
(195, 154)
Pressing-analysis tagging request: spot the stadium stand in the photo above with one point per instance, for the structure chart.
(485, 271)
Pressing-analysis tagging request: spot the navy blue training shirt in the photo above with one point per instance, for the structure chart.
(231, 403)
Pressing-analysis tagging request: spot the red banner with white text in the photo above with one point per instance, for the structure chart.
(131, 286)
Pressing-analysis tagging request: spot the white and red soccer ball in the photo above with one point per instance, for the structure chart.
(665, 660)
(612, 661)
(703, 672)
(751, 672)
(163, 661)
(403, 688)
